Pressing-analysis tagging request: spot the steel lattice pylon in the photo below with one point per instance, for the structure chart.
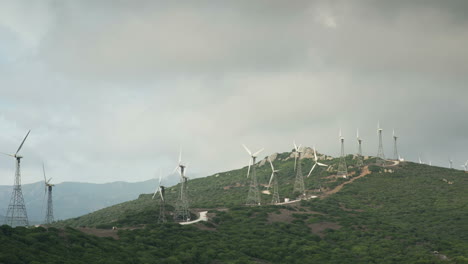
(275, 198)
(342, 167)
(359, 158)
(49, 219)
(396, 156)
(299, 183)
(380, 152)
(16, 214)
(182, 212)
(253, 197)
(162, 207)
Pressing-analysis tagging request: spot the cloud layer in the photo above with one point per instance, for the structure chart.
(112, 89)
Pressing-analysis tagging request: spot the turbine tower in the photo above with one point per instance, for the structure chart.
(182, 213)
(49, 218)
(299, 186)
(253, 197)
(275, 198)
(162, 205)
(359, 159)
(342, 168)
(380, 152)
(395, 148)
(16, 213)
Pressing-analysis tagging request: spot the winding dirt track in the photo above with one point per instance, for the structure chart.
(365, 171)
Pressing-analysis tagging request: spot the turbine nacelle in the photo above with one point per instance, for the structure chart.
(16, 156)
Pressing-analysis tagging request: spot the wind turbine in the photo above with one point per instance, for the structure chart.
(316, 163)
(465, 166)
(49, 219)
(252, 157)
(253, 197)
(420, 161)
(182, 212)
(16, 213)
(162, 206)
(297, 152)
(275, 198)
(299, 186)
(450, 163)
(359, 161)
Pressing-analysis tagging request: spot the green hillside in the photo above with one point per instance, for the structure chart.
(409, 213)
(225, 189)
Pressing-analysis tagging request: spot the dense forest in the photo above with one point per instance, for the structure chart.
(412, 213)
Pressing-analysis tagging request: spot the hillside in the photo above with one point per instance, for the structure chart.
(410, 214)
(223, 189)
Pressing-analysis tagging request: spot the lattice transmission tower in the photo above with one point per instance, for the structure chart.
(181, 211)
(299, 186)
(253, 197)
(380, 152)
(162, 205)
(49, 218)
(273, 178)
(396, 156)
(16, 214)
(359, 158)
(342, 167)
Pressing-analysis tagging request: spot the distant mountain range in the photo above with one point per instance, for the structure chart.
(72, 199)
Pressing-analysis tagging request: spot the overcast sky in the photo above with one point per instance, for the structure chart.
(111, 89)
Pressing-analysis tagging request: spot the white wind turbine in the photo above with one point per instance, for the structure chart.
(420, 161)
(159, 189)
(273, 173)
(252, 157)
(450, 163)
(275, 199)
(316, 163)
(298, 151)
(465, 166)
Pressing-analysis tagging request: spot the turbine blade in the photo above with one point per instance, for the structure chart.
(357, 133)
(43, 171)
(162, 197)
(315, 155)
(258, 152)
(248, 170)
(272, 168)
(49, 180)
(321, 164)
(7, 154)
(180, 155)
(176, 168)
(155, 192)
(23, 142)
(271, 178)
(246, 149)
(295, 146)
(313, 167)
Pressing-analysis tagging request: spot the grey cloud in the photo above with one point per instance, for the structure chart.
(112, 89)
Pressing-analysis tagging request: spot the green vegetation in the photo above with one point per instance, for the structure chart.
(225, 189)
(401, 214)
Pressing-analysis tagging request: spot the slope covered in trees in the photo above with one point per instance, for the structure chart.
(410, 213)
